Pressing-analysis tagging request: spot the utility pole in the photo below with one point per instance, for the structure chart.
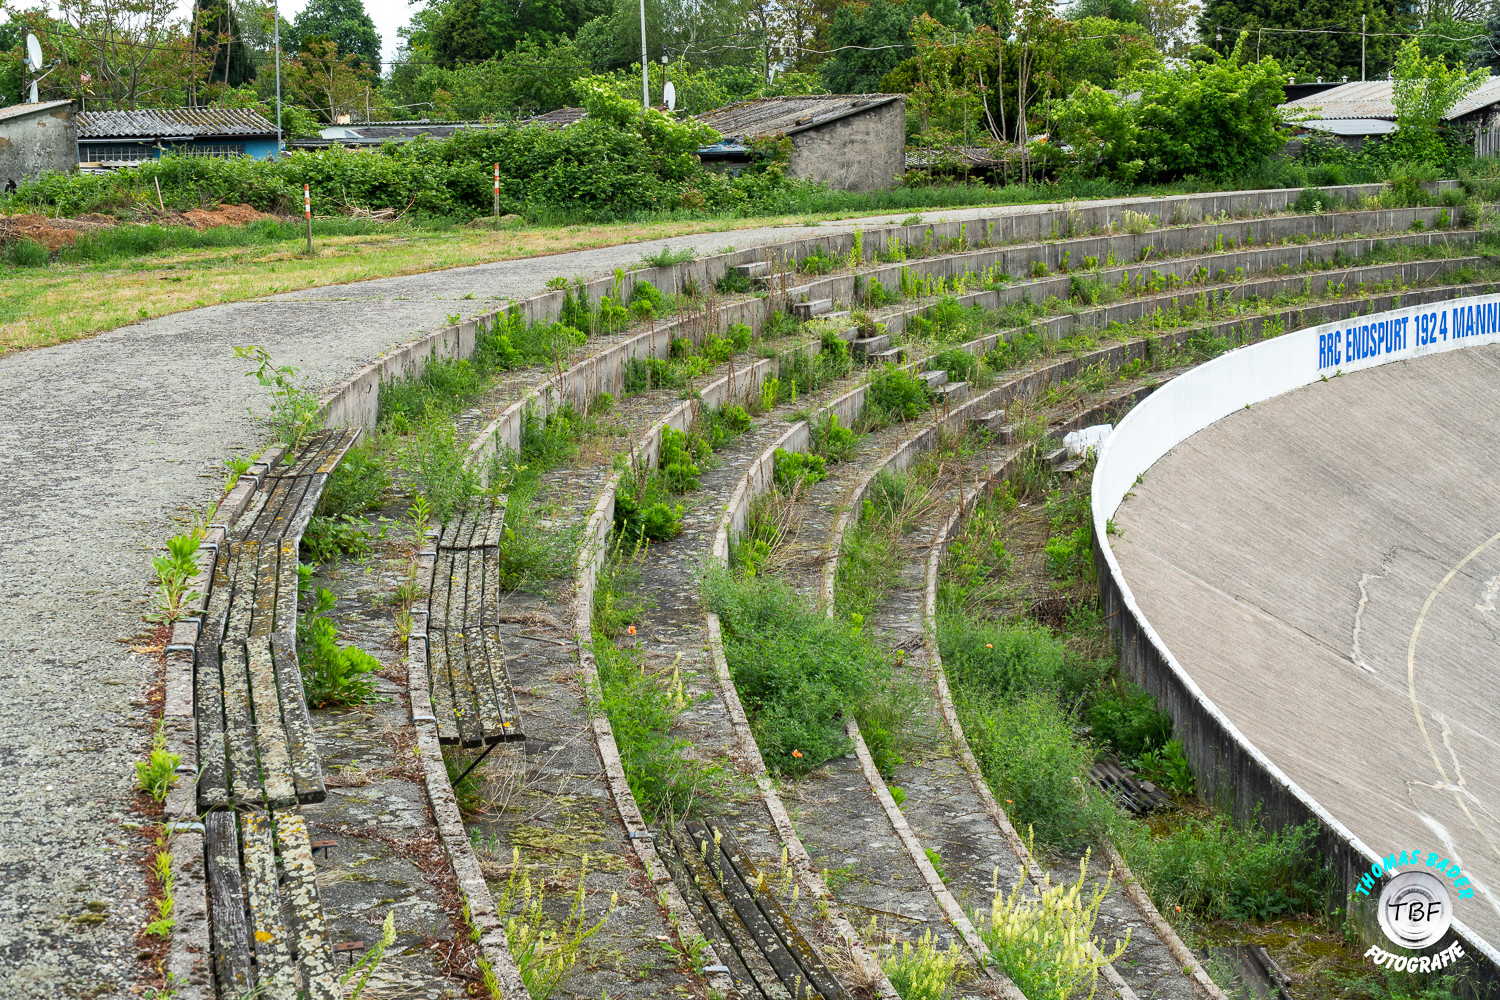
(276, 32)
(645, 66)
(1361, 48)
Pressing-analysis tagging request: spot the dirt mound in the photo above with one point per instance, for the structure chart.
(222, 215)
(54, 234)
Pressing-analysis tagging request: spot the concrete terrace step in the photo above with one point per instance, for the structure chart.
(814, 307)
(891, 355)
(952, 393)
(935, 378)
(992, 421)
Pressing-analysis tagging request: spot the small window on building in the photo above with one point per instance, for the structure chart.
(113, 153)
(223, 150)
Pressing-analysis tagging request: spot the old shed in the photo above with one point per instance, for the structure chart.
(35, 138)
(126, 138)
(853, 142)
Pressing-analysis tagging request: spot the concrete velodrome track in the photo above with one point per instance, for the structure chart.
(1325, 566)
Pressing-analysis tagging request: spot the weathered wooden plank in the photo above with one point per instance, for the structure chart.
(460, 645)
(498, 674)
(338, 446)
(270, 733)
(442, 584)
(263, 611)
(455, 529)
(308, 456)
(242, 599)
(307, 503)
(717, 921)
(226, 905)
(303, 908)
(276, 976)
(484, 651)
(221, 591)
(440, 687)
(239, 738)
(742, 898)
(286, 586)
(276, 491)
(492, 526)
(307, 763)
(798, 946)
(208, 707)
(295, 492)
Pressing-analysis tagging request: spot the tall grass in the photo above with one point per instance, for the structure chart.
(800, 674)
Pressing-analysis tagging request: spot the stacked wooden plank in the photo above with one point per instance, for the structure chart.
(471, 692)
(767, 956)
(257, 758)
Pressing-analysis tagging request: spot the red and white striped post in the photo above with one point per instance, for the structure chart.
(497, 196)
(307, 209)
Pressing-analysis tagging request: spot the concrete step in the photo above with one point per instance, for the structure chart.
(807, 310)
(890, 354)
(1057, 457)
(993, 421)
(1069, 467)
(1007, 433)
(952, 393)
(849, 335)
(935, 379)
(866, 346)
(754, 269)
(835, 317)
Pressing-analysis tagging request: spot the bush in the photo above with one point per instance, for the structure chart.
(1214, 116)
(833, 442)
(1217, 871)
(800, 673)
(678, 459)
(796, 470)
(1124, 718)
(961, 366)
(1036, 766)
(332, 675)
(1007, 661)
(895, 394)
(357, 485)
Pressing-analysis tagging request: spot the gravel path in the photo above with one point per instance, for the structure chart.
(102, 443)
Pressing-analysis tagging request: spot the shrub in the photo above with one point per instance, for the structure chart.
(961, 366)
(332, 675)
(725, 424)
(677, 461)
(1217, 871)
(922, 972)
(1125, 718)
(357, 485)
(895, 394)
(328, 537)
(435, 459)
(1007, 661)
(1168, 767)
(833, 442)
(800, 673)
(795, 470)
(1030, 757)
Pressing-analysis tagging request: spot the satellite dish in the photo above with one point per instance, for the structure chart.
(669, 94)
(33, 53)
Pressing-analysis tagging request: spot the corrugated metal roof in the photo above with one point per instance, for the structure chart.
(161, 122)
(1372, 99)
(561, 118)
(21, 110)
(790, 115)
(1351, 126)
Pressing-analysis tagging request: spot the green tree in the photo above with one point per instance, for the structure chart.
(882, 30)
(1210, 117)
(529, 79)
(219, 31)
(474, 30)
(1309, 53)
(1425, 90)
(343, 22)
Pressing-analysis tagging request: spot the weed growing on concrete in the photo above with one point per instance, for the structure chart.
(175, 573)
(435, 461)
(161, 873)
(800, 672)
(922, 971)
(545, 950)
(332, 675)
(235, 468)
(328, 537)
(366, 966)
(158, 772)
(1045, 942)
(665, 257)
(358, 484)
(894, 394)
(295, 413)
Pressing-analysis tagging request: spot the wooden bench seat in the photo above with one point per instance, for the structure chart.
(471, 693)
(255, 744)
(269, 938)
(764, 952)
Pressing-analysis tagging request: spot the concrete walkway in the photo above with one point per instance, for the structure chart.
(1285, 556)
(102, 443)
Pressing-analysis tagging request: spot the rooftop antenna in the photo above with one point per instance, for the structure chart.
(34, 63)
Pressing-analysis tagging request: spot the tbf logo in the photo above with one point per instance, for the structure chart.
(1415, 910)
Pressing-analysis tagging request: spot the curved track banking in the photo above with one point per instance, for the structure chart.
(1325, 566)
(101, 443)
